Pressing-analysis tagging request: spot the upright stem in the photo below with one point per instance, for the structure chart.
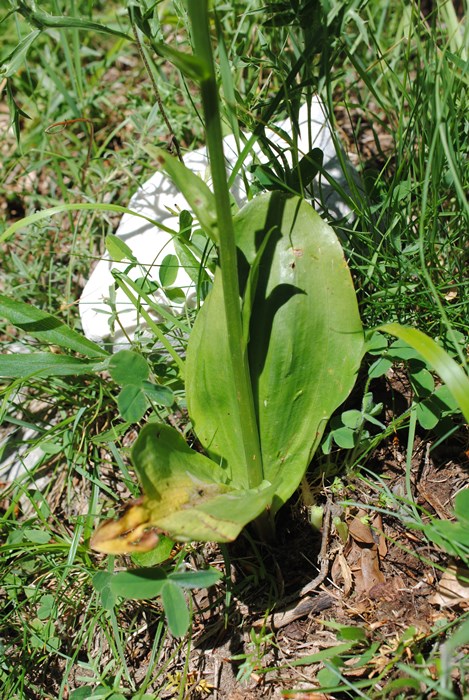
(198, 13)
(174, 145)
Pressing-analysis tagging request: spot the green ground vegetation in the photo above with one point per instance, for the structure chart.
(83, 85)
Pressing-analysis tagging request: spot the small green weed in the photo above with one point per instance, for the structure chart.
(260, 643)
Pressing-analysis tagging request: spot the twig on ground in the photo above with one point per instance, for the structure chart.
(305, 607)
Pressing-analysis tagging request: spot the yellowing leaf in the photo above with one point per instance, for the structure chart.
(184, 498)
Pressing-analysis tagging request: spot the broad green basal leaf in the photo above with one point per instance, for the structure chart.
(306, 338)
(305, 345)
(183, 498)
(211, 390)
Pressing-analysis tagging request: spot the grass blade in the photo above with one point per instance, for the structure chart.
(453, 375)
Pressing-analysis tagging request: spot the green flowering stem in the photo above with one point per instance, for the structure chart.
(198, 13)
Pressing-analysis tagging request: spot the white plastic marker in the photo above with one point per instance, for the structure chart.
(158, 199)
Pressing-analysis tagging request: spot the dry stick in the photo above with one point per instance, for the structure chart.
(174, 141)
(216, 677)
(431, 499)
(305, 607)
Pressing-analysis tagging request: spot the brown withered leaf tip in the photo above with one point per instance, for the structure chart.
(131, 533)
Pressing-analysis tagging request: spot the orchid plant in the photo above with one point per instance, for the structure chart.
(275, 349)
